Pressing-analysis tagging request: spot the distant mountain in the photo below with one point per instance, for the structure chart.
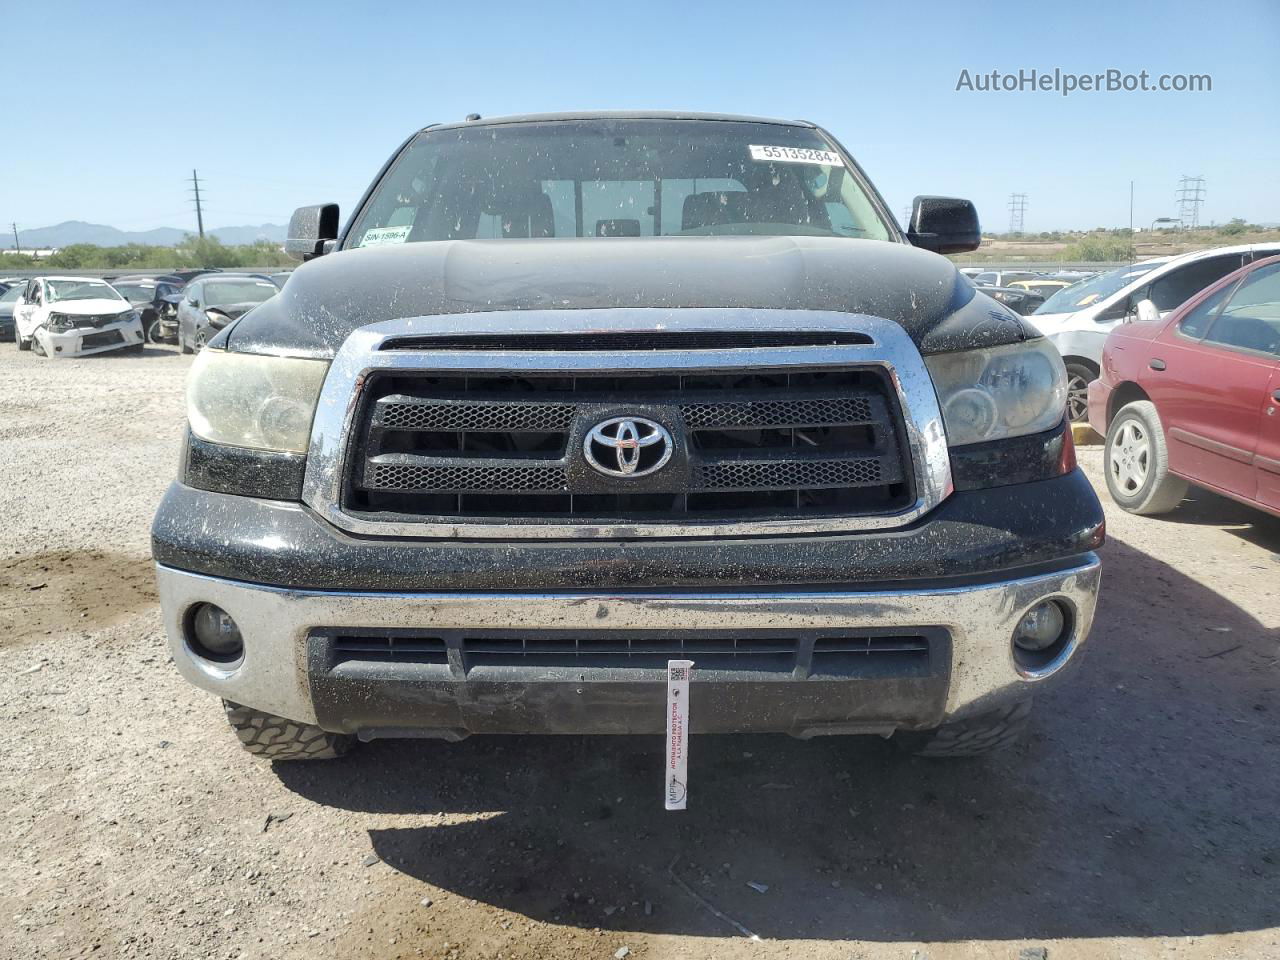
(102, 235)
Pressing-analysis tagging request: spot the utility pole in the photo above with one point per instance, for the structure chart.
(195, 187)
(1017, 212)
(17, 247)
(1191, 191)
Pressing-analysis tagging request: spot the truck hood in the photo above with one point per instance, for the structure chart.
(325, 300)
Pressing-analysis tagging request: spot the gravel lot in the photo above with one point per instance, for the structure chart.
(1138, 820)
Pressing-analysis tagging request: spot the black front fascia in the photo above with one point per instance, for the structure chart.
(972, 534)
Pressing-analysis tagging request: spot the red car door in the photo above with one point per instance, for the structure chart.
(1210, 376)
(1268, 455)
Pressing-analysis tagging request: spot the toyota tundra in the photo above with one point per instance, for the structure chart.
(571, 396)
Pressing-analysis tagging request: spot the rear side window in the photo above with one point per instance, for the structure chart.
(1251, 318)
(1177, 287)
(1197, 322)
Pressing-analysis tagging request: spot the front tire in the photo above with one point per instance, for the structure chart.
(972, 737)
(1079, 376)
(23, 344)
(37, 347)
(1136, 462)
(275, 738)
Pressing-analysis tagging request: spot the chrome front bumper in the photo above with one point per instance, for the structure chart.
(274, 676)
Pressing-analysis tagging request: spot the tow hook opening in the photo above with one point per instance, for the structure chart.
(1044, 638)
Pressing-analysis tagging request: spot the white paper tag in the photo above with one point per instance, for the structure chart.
(380, 235)
(795, 155)
(676, 787)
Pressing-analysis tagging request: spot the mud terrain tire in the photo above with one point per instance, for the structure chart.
(275, 738)
(971, 737)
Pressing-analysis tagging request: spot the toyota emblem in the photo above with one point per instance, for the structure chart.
(628, 447)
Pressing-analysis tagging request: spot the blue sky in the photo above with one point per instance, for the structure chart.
(290, 103)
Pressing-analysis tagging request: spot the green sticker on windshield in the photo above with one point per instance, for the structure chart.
(380, 235)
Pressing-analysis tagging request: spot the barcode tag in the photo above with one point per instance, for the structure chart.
(676, 788)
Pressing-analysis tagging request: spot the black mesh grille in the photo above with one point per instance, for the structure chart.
(788, 474)
(405, 413)
(745, 444)
(454, 479)
(804, 412)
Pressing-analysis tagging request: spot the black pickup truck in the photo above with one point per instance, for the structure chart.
(571, 396)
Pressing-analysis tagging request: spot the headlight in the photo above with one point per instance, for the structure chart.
(59, 322)
(250, 401)
(216, 320)
(128, 316)
(999, 392)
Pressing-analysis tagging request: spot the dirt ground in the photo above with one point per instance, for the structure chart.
(1138, 820)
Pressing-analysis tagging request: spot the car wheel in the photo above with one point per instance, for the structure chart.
(153, 333)
(1136, 462)
(23, 343)
(1079, 376)
(201, 339)
(37, 347)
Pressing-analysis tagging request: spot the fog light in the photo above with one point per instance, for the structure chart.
(1041, 627)
(216, 635)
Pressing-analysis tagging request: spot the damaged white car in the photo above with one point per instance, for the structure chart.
(75, 317)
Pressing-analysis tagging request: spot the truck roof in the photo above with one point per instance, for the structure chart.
(618, 115)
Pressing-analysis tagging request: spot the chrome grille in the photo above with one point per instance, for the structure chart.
(749, 443)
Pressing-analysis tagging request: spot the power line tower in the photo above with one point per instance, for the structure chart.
(195, 189)
(17, 247)
(1191, 191)
(1017, 212)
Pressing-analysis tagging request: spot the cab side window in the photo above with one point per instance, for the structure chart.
(1178, 286)
(1251, 318)
(193, 294)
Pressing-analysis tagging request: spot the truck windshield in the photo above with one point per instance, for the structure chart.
(617, 178)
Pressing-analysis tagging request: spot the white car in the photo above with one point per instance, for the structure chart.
(75, 317)
(1078, 318)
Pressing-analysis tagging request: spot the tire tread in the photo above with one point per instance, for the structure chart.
(277, 738)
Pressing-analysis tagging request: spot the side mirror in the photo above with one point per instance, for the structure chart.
(944, 225)
(310, 229)
(1148, 312)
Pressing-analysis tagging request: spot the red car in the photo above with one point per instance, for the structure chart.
(1195, 397)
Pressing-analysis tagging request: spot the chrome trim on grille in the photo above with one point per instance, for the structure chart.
(363, 354)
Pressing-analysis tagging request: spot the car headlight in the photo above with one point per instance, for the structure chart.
(999, 392)
(129, 316)
(246, 400)
(59, 322)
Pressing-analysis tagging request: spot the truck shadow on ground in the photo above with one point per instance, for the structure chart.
(1143, 803)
